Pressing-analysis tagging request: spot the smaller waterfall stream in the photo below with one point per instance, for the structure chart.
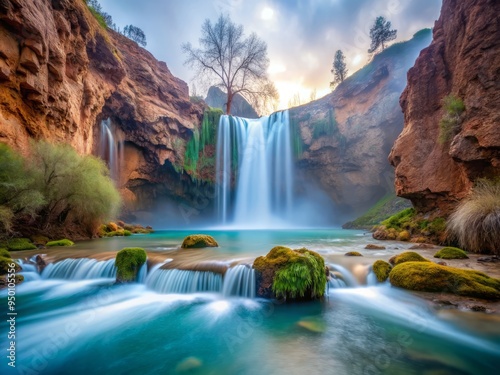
(111, 148)
(183, 281)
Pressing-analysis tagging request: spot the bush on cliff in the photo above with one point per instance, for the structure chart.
(475, 223)
(431, 277)
(450, 123)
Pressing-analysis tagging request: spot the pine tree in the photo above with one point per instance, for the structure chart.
(339, 70)
(381, 33)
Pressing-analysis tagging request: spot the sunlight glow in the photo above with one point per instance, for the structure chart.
(356, 60)
(267, 13)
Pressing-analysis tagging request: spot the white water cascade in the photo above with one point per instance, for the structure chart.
(254, 171)
(239, 281)
(183, 281)
(111, 148)
(80, 269)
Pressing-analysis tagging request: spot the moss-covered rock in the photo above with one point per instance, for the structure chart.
(5, 265)
(199, 241)
(404, 236)
(111, 227)
(14, 244)
(128, 263)
(381, 270)
(5, 253)
(451, 253)
(431, 277)
(63, 242)
(38, 239)
(353, 254)
(291, 274)
(407, 256)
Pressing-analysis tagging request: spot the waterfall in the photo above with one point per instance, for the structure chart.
(111, 148)
(29, 270)
(254, 171)
(80, 269)
(239, 281)
(182, 281)
(341, 277)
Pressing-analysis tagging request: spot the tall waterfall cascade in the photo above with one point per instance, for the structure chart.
(111, 148)
(254, 171)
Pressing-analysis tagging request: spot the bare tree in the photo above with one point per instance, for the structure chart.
(233, 62)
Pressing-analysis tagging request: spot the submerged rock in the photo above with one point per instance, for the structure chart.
(199, 241)
(451, 253)
(407, 256)
(312, 324)
(381, 270)
(188, 364)
(371, 246)
(353, 254)
(128, 263)
(430, 277)
(291, 274)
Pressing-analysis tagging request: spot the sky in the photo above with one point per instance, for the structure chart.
(301, 35)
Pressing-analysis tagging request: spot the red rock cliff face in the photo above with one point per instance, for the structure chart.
(350, 163)
(463, 60)
(61, 74)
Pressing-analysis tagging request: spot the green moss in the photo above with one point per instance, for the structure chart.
(450, 123)
(382, 210)
(401, 220)
(381, 270)
(5, 263)
(404, 235)
(128, 262)
(353, 254)
(431, 277)
(14, 244)
(127, 233)
(199, 241)
(407, 256)
(63, 242)
(4, 253)
(451, 253)
(116, 233)
(293, 273)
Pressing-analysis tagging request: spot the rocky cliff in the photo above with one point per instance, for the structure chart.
(61, 73)
(343, 139)
(463, 60)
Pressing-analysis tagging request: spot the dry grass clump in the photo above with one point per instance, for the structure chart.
(475, 223)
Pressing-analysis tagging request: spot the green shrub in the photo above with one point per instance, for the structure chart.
(402, 220)
(128, 262)
(431, 277)
(475, 223)
(451, 253)
(407, 256)
(76, 189)
(63, 242)
(381, 270)
(450, 123)
(20, 244)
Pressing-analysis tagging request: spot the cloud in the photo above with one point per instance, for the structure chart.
(302, 35)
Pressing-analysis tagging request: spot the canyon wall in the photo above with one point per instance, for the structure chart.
(61, 73)
(463, 60)
(343, 139)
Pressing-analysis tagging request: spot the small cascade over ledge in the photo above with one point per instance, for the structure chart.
(111, 148)
(80, 269)
(254, 171)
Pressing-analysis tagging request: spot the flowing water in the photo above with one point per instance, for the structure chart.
(255, 171)
(76, 320)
